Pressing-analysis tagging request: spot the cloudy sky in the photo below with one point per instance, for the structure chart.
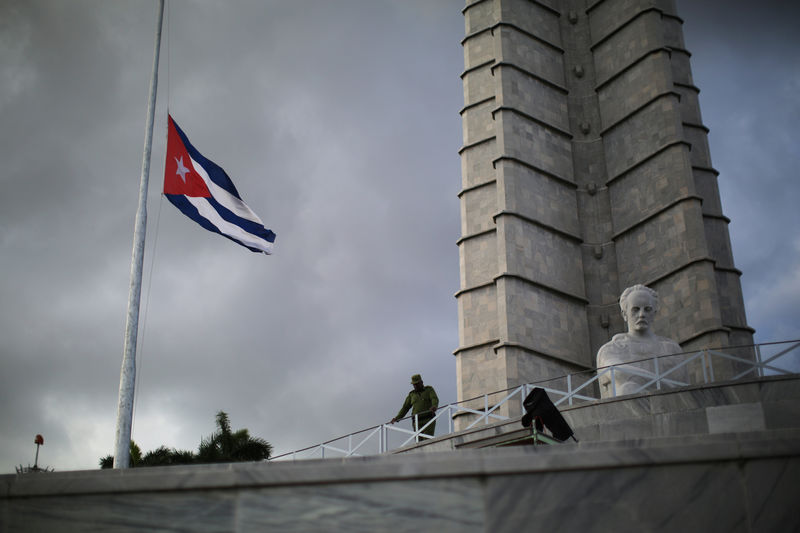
(338, 122)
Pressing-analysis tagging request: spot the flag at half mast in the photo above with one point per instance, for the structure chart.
(205, 193)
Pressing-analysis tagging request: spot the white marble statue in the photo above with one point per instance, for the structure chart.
(639, 305)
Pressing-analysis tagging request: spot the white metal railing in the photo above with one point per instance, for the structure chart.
(752, 361)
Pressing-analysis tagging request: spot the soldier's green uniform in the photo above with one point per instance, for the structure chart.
(421, 403)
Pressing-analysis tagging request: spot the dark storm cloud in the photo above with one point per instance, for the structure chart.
(338, 122)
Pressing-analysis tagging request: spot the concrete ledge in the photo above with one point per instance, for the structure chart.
(714, 482)
(486, 462)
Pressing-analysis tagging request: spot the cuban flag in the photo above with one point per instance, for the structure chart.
(205, 193)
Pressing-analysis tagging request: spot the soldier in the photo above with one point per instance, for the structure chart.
(423, 402)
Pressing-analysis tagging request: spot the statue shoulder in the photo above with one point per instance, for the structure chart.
(617, 342)
(615, 346)
(669, 345)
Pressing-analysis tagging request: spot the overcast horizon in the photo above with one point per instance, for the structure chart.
(339, 125)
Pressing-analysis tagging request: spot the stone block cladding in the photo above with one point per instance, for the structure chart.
(585, 169)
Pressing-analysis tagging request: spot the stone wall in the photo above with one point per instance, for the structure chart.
(744, 482)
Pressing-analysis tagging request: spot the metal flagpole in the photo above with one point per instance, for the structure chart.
(127, 376)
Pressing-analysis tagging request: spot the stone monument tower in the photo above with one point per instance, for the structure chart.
(585, 169)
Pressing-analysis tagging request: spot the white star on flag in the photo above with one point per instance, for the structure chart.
(182, 170)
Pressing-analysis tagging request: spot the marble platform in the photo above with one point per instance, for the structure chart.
(770, 403)
(720, 482)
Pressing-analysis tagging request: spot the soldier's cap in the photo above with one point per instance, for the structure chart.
(416, 378)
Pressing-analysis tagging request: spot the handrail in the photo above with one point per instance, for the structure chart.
(569, 394)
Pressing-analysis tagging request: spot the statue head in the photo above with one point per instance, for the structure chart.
(639, 305)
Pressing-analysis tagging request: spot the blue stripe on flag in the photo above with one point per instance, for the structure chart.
(254, 228)
(186, 207)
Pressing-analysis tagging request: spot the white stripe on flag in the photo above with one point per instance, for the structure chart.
(209, 213)
(238, 207)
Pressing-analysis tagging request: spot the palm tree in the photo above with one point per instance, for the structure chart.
(135, 459)
(226, 446)
(222, 446)
(163, 456)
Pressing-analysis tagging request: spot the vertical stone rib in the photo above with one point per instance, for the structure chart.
(598, 248)
(478, 368)
(522, 298)
(705, 179)
(540, 283)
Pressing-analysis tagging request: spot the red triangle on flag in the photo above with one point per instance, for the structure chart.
(180, 177)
